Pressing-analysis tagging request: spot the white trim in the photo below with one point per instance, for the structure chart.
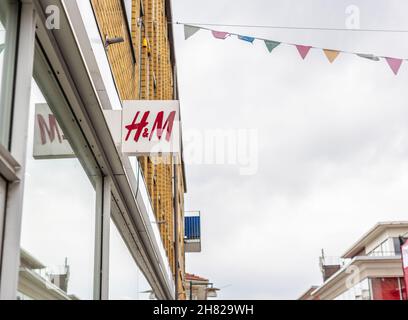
(8, 165)
(102, 238)
(374, 232)
(14, 206)
(369, 267)
(3, 193)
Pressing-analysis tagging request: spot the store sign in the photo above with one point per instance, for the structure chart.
(150, 127)
(404, 254)
(49, 140)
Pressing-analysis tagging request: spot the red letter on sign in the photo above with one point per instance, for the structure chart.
(158, 124)
(51, 130)
(137, 126)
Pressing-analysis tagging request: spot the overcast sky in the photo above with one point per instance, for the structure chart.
(333, 151)
(333, 139)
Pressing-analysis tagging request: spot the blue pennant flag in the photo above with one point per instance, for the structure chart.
(246, 38)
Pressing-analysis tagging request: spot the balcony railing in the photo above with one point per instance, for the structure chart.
(192, 231)
(383, 254)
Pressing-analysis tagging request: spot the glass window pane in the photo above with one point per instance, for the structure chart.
(2, 205)
(8, 41)
(396, 246)
(126, 281)
(385, 289)
(58, 229)
(403, 290)
(128, 9)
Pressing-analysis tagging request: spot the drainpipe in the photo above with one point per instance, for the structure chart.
(176, 229)
(140, 23)
(176, 244)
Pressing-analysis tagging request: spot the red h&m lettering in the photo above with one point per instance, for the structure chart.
(158, 124)
(51, 129)
(138, 126)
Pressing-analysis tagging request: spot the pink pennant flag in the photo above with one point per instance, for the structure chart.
(303, 50)
(220, 34)
(394, 64)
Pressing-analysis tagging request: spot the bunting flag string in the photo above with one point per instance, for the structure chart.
(246, 38)
(271, 44)
(331, 54)
(189, 31)
(220, 34)
(394, 64)
(303, 50)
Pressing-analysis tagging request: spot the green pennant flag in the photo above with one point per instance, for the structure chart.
(189, 31)
(271, 44)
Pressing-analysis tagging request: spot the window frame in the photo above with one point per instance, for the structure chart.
(13, 160)
(7, 81)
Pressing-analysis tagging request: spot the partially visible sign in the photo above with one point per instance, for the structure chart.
(404, 254)
(49, 140)
(150, 127)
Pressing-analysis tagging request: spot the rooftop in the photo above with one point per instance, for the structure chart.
(193, 277)
(371, 235)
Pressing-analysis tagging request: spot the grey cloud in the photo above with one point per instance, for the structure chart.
(333, 145)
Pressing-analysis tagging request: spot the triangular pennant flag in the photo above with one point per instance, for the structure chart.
(303, 50)
(331, 54)
(271, 44)
(246, 38)
(220, 34)
(394, 64)
(368, 56)
(189, 31)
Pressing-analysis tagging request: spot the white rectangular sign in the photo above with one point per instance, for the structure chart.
(49, 140)
(150, 127)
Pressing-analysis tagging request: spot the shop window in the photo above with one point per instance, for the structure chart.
(360, 291)
(386, 289)
(403, 289)
(58, 227)
(8, 43)
(126, 281)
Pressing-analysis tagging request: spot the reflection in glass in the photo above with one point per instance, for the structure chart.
(58, 229)
(360, 291)
(125, 279)
(386, 288)
(8, 40)
(2, 203)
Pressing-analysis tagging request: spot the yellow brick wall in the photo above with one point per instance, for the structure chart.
(148, 76)
(112, 23)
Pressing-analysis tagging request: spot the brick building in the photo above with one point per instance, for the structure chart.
(78, 59)
(143, 66)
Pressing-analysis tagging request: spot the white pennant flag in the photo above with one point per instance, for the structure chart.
(368, 56)
(189, 31)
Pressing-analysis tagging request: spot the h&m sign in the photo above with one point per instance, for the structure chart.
(150, 127)
(49, 140)
(142, 127)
